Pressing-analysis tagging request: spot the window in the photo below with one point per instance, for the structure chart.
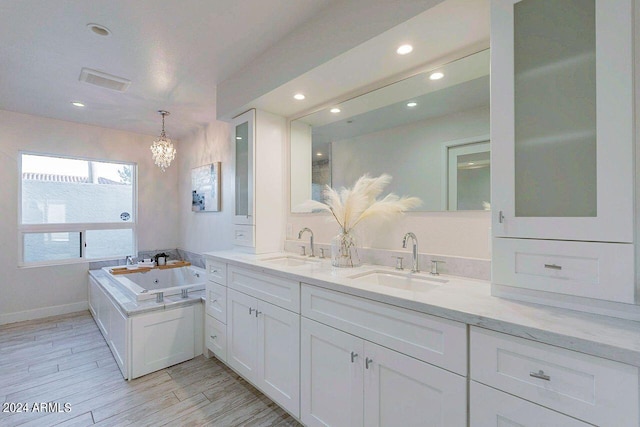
(72, 209)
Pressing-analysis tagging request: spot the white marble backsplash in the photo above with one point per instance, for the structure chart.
(457, 266)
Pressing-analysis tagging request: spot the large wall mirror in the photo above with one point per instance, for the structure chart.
(430, 132)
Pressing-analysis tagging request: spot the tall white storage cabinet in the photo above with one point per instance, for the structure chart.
(562, 140)
(259, 139)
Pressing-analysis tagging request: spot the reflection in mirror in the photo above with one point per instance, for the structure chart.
(421, 131)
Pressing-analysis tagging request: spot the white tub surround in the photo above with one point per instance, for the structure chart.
(144, 335)
(365, 328)
(143, 284)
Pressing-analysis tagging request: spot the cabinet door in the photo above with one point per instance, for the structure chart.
(278, 368)
(242, 333)
(103, 312)
(492, 408)
(562, 119)
(402, 391)
(331, 376)
(162, 339)
(118, 338)
(243, 139)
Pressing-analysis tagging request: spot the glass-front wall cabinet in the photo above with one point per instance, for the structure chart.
(243, 126)
(562, 119)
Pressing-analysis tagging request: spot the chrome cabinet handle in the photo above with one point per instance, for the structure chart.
(258, 312)
(367, 362)
(353, 356)
(251, 310)
(553, 267)
(500, 217)
(540, 375)
(213, 337)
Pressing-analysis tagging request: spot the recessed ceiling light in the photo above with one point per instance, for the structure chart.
(404, 49)
(335, 110)
(299, 96)
(319, 154)
(98, 29)
(436, 76)
(77, 104)
(411, 104)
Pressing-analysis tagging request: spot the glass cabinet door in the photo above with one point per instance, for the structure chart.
(243, 139)
(562, 121)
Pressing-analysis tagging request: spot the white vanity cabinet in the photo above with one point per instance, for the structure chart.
(263, 345)
(258, 138)
(347, 380)
(594, 390)
(215, 337)
(562, 135)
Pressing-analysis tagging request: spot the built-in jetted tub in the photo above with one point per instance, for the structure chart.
(143, 285)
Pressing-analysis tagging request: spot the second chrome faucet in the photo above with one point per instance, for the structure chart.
(414, 263)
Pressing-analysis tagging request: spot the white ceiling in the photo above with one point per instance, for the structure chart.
(173, 51)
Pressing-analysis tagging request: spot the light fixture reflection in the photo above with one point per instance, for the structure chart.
(436, 76)
(299, 96)
(411, 104)
(335, 110)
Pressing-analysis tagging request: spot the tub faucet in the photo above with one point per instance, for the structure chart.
(312, 254)
(130, 260)
(414, 265)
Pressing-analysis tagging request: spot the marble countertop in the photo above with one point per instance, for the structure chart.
(131, 307)
(469, 301)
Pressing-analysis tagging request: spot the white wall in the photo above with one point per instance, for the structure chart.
(206, 231)
(39, 291)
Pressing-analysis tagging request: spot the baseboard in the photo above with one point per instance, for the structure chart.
(39, 313)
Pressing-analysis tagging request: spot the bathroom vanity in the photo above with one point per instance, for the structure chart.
(377, 346)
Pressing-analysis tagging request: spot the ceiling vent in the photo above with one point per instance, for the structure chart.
(105, 80)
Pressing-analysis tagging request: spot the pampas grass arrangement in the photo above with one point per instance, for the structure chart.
(353, 206)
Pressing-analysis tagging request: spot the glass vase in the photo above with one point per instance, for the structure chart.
(344, 251)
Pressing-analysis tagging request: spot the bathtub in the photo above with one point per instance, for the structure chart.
(145, 285)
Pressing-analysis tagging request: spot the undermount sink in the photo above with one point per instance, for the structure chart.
(290, 261)
(398, 280)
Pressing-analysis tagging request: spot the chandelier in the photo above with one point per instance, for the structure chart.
(162, 149)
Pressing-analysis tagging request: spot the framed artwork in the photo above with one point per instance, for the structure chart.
(205, 185)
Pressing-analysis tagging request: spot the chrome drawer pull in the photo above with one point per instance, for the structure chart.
(353, 356)
(553, 266)
(540, 375)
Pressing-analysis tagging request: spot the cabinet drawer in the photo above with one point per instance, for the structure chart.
(243, 235)
(593, 389)
(217, 301)
(438, 341)
(276, 290)
(217, 272)
(216, 337)
(493, 408)
(585, 269)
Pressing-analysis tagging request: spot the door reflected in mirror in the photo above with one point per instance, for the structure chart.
(422, 132)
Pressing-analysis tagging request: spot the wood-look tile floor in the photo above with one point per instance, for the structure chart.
(64, 359)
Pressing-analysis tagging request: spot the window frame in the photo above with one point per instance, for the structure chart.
(81, 228)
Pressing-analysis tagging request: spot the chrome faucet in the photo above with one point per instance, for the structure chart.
(414, 267)
(311, 250)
